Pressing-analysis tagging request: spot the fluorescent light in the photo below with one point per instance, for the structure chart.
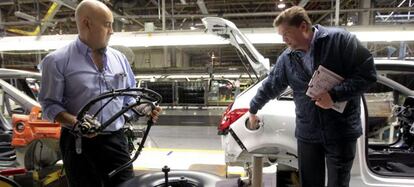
(281, 5)
(387, 36)
(165, 39)
(190, 38)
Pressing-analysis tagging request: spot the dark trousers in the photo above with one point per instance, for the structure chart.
(338, 157)
(100, 155)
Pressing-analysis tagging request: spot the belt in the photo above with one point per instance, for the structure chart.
(69, 129)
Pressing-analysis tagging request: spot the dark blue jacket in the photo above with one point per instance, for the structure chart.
(340, 52)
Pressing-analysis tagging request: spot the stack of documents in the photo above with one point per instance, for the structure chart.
(322, 81)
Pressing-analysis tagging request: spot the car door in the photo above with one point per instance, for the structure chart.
(385, 151)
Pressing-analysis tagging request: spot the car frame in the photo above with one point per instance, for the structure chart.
(274, 139)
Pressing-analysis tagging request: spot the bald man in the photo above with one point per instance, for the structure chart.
(74, 74)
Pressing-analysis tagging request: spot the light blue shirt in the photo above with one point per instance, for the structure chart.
(70, 79)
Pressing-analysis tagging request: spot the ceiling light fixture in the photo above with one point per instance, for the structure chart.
(281, 5)
(190, 38)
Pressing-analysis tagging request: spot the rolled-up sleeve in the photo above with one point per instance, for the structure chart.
(51, 88)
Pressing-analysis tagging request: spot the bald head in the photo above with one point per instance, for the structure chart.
(89, 8)
(94, 21)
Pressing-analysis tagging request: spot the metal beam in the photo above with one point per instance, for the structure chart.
(154, 2)
(72, 5)
(67, 3)
(303, 3)
(12, 2)
(322, 17)
(27, 102)
(51, 12)
(202, 7)
(399, 5)
(253, 14)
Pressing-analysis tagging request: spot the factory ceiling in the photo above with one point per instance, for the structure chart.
(23, 17)
(51, 17)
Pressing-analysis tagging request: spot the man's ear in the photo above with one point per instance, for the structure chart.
(303, 26)
(86, 23)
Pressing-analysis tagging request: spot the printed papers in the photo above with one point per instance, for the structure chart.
(322, 81)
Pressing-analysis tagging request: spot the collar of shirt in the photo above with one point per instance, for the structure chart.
(87, 52)
(307, 57)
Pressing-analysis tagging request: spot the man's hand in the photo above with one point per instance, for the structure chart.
(155, 113)
(253, 122)
(324, 100)
(146, 109)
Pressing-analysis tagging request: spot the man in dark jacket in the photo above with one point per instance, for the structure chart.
(323, 134)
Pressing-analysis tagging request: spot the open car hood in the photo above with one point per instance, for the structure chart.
(228, 31)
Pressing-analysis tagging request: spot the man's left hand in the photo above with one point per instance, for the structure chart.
(145, 110)
(155, 113)
(324, 101)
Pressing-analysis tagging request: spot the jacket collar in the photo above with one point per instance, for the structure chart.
(322, 32)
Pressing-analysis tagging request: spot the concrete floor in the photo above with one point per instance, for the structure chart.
(184, 137)
(192, 148)
(183, 148)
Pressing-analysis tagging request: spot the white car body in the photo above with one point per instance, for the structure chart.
(275, 138)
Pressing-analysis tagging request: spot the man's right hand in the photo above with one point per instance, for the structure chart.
(89, 126)
(253, 122)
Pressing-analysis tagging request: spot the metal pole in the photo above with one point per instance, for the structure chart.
(2, 98)
(163, 30)
(403, 50)
(409, 12)
(173, 51)
(163, 14)
(1, 60)
(337, 12)
(257, 179)
(172, 16)
(364, 18)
